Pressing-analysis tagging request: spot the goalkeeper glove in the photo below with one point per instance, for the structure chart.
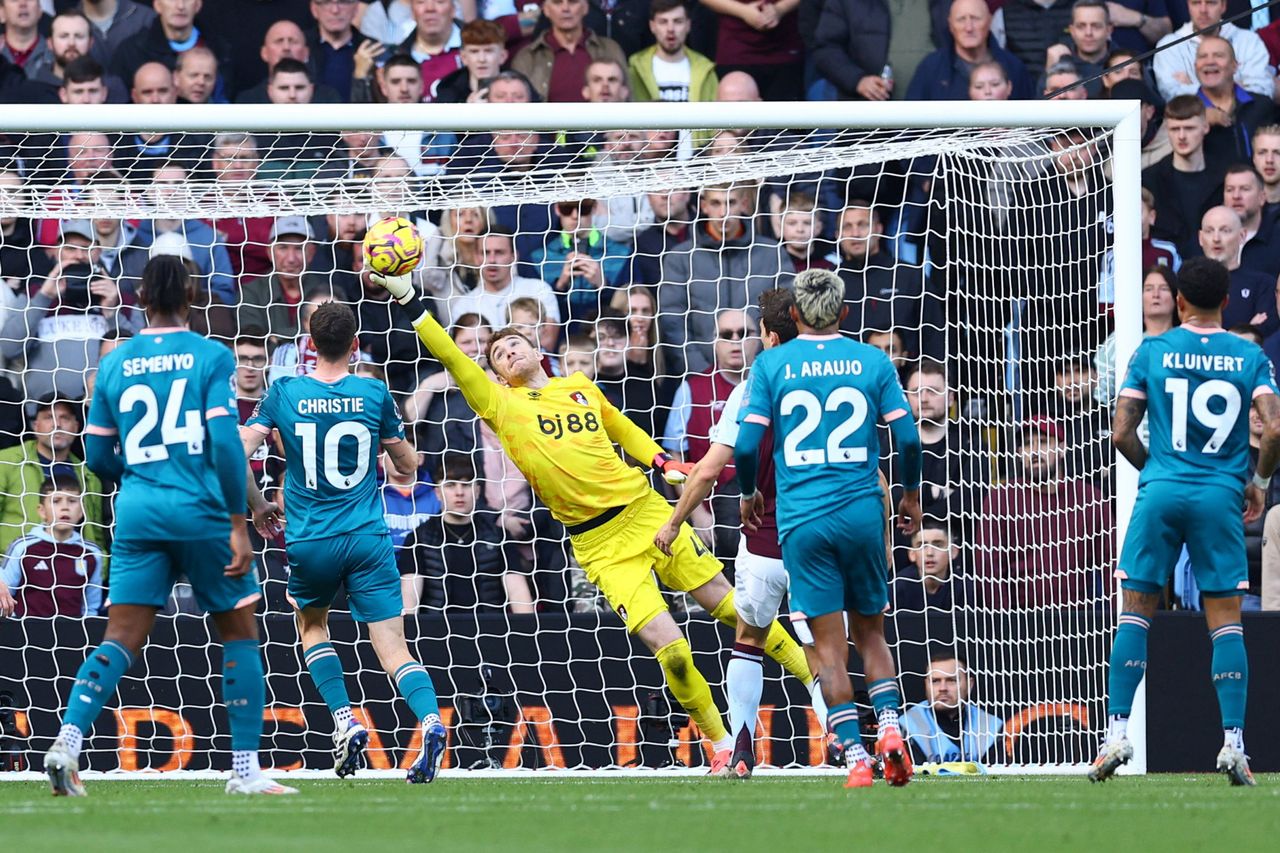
(399, 286)
(673, 472)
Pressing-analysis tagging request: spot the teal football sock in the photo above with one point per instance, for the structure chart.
(1128, 663)
(415, 686)
(244, 692)
(1230, 673)
(326, 671)
(843, 720)
(95, 683)
(886, 700)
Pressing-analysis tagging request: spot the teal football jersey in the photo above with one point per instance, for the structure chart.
(1199, 385)
(157, 391)
(332, 434)
(823, 397)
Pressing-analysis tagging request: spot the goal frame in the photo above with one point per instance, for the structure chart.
(1123, 118)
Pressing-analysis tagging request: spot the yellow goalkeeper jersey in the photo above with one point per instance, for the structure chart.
(560, 436)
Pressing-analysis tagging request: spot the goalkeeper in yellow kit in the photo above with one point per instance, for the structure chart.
(560, 433)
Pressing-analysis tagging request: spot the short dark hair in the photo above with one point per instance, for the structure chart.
(456, 467)
(289, 65)
(862, 202)
(1204, 282)
(1247, 330)
(511, 74)
(506, 332)
(61, 482)
(775, 313)
(469, 320)
(333, 328)
(402, 60)
(1243, 168)
(1092, 4)
(657, 7)
(83, 69)
(1184, 107)
(939, 653)
(928, 367)
(615, 320)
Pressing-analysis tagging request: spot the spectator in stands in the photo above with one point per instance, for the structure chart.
(22, 44)
(631, 389)
(1266, 158)
(1031, 26)
(1174, 64)
(75, 304)
(483, 53)
(142, 153)
(1159, 315)
(204, 246)
(458, 561)
(118, 21)
(944, 74)
(527, 315)
(286, 41)
(1155, 136)
(1129, 71)
(267, 305)
(579, 262)
(556, 60)
(70, 37)
(669, 70)
(499, 283)
(195, 74)
(332, 44)
(988, 81)
(932, 581)
(1243, 192)
(671, 227)
(947, 726)
(451, 262)
(1139, 24)
(763, 40)
(725, 265)
(892, 345)
(1185, 183)
(235, 161)
(83, 82)
(881, 293)
(1062, 82)
(1022, 539)
(644, 358)
(1233, 113)
(300, 155)
(434, 43)
(407, 499)
(54, 426)
(173, 31)
(425, 152)
(851, 45)
(1155, 252)
(695, 411)
(1087, 42)
(1252, 299)
(1086, 425)
(800, 228)
(16, 247)
(578, 355)
(442, 419)
(53, 570)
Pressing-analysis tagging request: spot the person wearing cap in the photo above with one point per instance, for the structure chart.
(53, 425)
(1019, 529)
(75, 305)
(193, 240)
(269, 304)
(1155, 138)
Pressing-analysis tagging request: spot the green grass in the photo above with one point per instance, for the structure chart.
(781, 815)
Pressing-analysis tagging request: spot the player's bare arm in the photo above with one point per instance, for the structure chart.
(403, 456)
(696, 489)
(268, 518)
(1124, 430)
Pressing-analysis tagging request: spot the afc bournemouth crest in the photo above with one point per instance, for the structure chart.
(580, 398)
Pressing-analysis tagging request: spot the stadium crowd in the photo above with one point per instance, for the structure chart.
(649, 295)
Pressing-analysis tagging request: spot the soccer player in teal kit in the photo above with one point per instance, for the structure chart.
(166, 398)
(334, 425)
(823, 395)
(1195, 383)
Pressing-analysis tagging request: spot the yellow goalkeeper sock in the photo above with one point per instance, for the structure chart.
(777, 643)
(691, 689)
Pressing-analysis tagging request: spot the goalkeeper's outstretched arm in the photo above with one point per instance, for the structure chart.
(476, 387)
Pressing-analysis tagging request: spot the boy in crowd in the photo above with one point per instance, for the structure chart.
(799, 229)
(53, 570)
(931, 581)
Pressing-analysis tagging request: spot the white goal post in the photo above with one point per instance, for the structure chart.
(577, 693)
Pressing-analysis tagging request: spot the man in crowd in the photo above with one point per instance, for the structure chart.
(195, 74)
(332, 44)
(70, 37)
(1031, 26)
(434, 43)
(1266, 159)
(499, 284)
(947, 726)
(1244, 192)
(669, 70)
(1253, 296)
(1233, 113)
(173, 32)
(725, 265)
(933, 580)
(268, 303)
(944, 74)
(1186, 183)
(117, 20)
(556, 60)
(1174, 64)
(54, 426)
(1087, 42)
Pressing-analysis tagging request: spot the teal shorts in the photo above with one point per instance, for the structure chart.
(1206, 519)
(837, 562)
(365, 563)
(144, 571)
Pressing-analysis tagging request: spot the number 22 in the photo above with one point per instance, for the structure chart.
(813, 409)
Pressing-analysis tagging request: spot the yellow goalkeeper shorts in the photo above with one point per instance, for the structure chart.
(620, 558)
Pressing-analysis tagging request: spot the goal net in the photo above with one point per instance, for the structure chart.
(981, 249)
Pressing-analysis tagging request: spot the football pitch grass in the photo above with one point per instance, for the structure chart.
(781, 815)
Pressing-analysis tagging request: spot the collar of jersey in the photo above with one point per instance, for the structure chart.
(818, 337)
